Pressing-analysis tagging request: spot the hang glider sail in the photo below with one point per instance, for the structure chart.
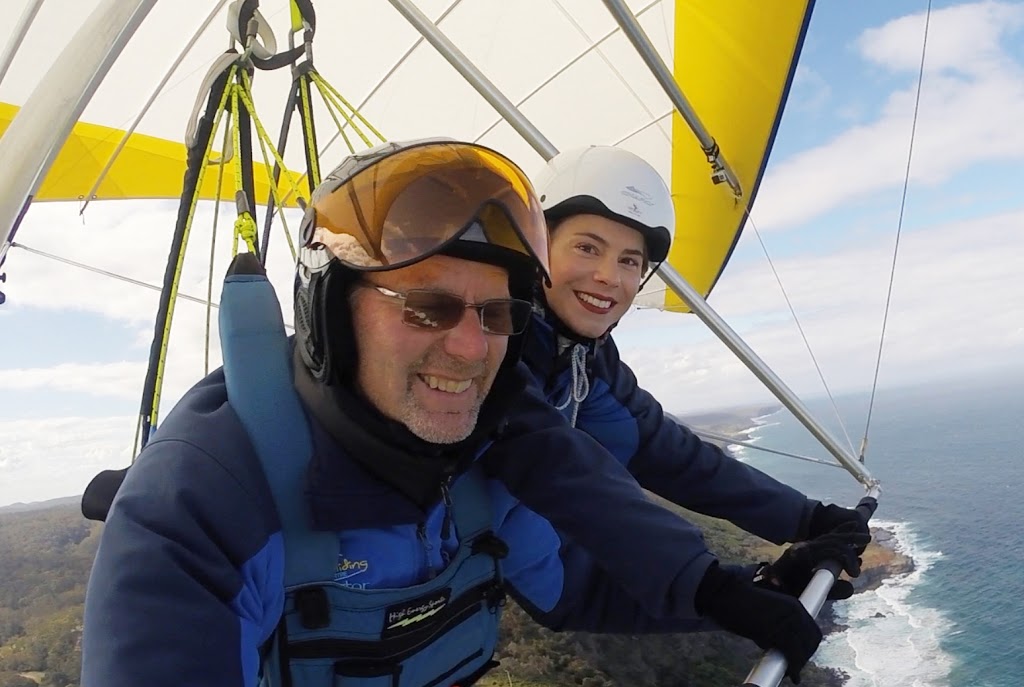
(735, 62)
(147, 167)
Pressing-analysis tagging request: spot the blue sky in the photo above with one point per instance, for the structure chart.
(73, 345)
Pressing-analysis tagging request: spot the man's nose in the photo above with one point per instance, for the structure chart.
(467, 339)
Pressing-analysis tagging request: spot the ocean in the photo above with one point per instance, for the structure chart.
(951, 465)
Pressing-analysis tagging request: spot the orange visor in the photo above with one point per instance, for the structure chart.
(407, 205)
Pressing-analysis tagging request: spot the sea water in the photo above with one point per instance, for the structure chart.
(951, 465)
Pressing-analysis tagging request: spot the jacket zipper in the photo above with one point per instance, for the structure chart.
(446, 497)
(421, 534)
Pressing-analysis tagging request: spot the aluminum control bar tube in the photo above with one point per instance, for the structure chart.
(770, 670)
(721, 171)
(475, 77)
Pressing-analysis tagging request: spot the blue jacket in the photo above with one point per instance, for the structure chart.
(663, 455)
(188, 579)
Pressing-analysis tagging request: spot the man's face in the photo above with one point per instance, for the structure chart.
(433, 382)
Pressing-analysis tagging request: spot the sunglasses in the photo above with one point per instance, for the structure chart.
(440, 311)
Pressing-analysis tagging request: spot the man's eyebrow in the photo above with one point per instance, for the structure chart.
(603, 242)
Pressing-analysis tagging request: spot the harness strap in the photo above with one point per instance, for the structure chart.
(258, 376)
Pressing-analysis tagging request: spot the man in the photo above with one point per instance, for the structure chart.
(385, 555)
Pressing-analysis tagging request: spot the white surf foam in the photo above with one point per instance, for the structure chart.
(892, 640)
(751, 435)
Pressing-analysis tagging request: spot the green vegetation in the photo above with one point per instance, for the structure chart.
(45, 557)
(532, 656)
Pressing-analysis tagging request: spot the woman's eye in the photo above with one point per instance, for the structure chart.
(586, 248)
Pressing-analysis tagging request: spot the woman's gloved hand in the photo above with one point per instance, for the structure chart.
(795, 567)
(825, 519)
(774, 620)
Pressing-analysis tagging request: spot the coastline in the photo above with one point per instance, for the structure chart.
(882, 560)
(737, 423)
(887, 562)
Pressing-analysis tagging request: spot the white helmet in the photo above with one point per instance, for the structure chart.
(613, 183)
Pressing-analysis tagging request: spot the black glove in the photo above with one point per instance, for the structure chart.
(772, 619)
(795, 567)
(824, 519)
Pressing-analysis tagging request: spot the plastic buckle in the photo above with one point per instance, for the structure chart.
(313, 608)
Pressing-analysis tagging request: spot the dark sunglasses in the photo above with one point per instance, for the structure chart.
(440, 311)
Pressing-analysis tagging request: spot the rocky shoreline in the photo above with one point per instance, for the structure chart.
(882, 560)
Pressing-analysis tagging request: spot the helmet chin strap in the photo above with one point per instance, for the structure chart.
(653, 268)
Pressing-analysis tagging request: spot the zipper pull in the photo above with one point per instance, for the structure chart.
(446, 497)
(421, 534)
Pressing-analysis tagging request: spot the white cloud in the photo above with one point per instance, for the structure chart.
(962, 38)
(118, 380)
(43, 459)
(958, 304)
(130, 239)
(810, 90)
(972, 103)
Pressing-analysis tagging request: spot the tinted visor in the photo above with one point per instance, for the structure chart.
(410, 204)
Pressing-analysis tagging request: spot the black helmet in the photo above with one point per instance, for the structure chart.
(369, 215)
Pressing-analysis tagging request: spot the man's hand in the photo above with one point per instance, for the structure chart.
(774, 620)
(795, 567)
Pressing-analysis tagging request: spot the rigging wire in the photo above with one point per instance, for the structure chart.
(645, 127)
(800, 328)
(388, 75)
(708, 434)
(594, 45)
(622, 79)
(114, 275)
(149, 104)
(892, 271)
(899, 229)
(213, 248)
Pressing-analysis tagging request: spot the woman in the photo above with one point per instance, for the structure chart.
(611, 218)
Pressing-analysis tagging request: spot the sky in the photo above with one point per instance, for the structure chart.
(74, 345)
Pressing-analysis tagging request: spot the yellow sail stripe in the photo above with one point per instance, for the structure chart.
(734, 62)
(148, 167)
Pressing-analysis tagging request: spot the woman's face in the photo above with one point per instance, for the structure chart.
(596, 268)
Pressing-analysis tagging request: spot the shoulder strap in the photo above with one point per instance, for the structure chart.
(258, 376)
(471, 505)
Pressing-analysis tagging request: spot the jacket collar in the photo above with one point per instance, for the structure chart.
(549, 343)
(360, 456)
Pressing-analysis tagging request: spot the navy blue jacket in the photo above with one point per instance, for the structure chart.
(188, 579)
(663, 455)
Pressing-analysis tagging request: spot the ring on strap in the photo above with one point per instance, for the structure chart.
(240, 12)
